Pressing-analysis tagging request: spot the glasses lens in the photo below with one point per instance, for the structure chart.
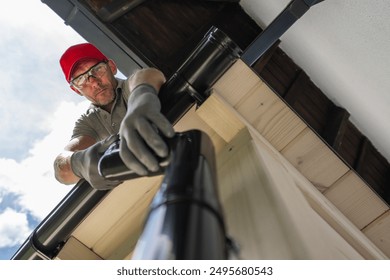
(97, 71)
(79, 81)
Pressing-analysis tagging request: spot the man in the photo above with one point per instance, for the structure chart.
(130, 108)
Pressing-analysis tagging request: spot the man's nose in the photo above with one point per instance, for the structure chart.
(90, 81)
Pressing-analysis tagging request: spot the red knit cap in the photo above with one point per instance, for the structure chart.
(77, 53)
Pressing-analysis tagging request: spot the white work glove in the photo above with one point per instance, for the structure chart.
(141, 131)
(84, 164)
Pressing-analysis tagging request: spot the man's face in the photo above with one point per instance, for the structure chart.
(99, 90)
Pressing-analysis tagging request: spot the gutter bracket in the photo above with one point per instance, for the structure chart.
(294, 10)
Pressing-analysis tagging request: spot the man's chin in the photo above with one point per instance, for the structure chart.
(105, 101)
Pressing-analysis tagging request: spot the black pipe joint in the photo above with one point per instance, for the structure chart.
(190, 84)
(185, 220)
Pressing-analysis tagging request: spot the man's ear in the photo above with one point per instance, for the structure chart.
(113, 67)
(76, 90)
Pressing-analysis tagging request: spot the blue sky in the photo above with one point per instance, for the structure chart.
(37, 113)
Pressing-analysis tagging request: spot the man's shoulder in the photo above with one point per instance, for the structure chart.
(92, 109)
(123, 88)
(91, 113)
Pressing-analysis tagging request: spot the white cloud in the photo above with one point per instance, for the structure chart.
(31, 182)
(32, 179)
(33, 38)
(35, 24)
(13, 228)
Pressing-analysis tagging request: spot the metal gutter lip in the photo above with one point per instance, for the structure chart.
(52, 233)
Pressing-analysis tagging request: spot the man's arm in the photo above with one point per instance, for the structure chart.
(150, 76)
(62, 164)
(81, 160)
(142, 129)
(81, 155)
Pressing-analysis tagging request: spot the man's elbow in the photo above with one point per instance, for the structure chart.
(63, 172)
(63, 178)
(151, 76)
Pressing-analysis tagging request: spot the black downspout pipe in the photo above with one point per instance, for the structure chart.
(185, 220)
(189, 85)
(294, 10)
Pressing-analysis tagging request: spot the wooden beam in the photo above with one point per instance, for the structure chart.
(360, 161)
(356, 200)
(75, 250)
(335, 127)
(315, 160)
(280, 72)
(378, 232)
(292, 94)
(262, 62)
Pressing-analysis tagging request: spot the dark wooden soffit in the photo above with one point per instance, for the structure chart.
(164, 32)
